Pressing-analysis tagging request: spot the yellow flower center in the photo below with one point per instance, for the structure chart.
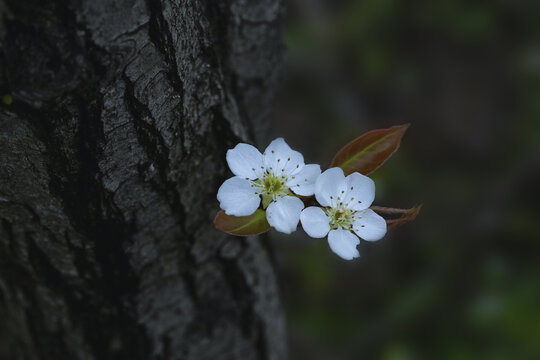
(271, 187)
(340, 217)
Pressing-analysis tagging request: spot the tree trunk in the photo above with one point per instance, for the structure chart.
(111, 154)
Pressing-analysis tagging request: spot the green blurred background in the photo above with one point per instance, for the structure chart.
(463, 280)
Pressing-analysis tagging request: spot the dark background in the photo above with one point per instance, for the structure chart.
(463, 280)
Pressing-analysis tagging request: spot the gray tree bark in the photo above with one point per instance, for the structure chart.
(111, 154)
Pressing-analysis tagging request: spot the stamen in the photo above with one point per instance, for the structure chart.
(271, 186)
(341, 217)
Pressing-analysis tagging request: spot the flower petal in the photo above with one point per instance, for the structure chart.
(245, 161)
(315, 222)
(343, 243)
(303, 182)
(284, 213)
(360, 191)
(237, 197)
(279, 159)
(369, 225)
(329, 186)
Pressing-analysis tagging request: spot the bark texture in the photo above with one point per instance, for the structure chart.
(111, 154)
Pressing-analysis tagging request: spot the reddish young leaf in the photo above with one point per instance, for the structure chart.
(242, 225)
(369, 151)
(406, 215)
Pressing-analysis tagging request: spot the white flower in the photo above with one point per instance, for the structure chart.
(346, 202)
(272, 176)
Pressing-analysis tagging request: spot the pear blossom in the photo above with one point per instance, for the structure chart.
(345, 214)
(275, 176)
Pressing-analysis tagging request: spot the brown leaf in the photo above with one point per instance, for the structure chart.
(366, 153)
(406, 215)
(242, 225)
